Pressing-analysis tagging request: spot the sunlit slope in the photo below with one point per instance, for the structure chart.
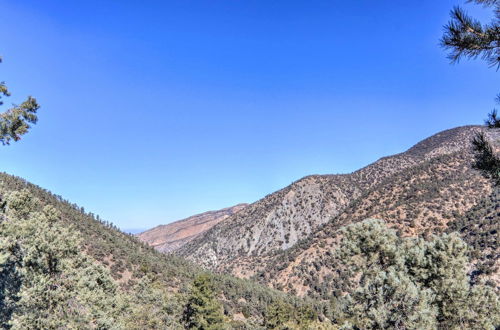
(287, 239)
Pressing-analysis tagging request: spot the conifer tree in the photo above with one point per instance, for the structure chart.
(16, 121)
(203, 311)
(281, 315)
(486, 160)
(412, 283)
(151, 307)
(385, 297)
(54, 284)
(278, 315)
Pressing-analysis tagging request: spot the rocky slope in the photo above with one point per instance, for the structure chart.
(170, 237)
(287, 238)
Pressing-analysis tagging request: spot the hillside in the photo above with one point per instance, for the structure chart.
(281, 219)
(119, 282)
(286, 239)
(480, 228)
(170, 237)
(61, 267)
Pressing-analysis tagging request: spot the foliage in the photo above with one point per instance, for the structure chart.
(467, 37)
(281, 315)
(480, 228)
(54, 284)
(277, 315)
(151, 306)
(493, 121)
(16, 121)
(412, 283)
(485, 159)
(203, 311)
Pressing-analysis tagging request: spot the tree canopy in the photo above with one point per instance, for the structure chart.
(203, 311)
(412, 283)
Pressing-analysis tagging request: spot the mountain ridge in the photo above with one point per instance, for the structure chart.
(435, 171)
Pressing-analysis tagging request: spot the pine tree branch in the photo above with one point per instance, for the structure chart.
(466, 37)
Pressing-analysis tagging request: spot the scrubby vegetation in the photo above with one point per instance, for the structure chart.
(432, 264)
(480, 228)
(61, 266)
(54, 275)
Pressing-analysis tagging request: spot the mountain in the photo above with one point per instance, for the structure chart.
(170, 237)
(61, 267)
(286, 239)
(274, 263)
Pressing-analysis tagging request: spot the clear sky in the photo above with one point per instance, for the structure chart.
(155, 110)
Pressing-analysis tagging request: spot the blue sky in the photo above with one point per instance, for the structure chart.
(155, 110)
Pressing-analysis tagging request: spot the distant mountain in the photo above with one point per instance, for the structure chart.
(133, 231)
(285, 239)
(170, 237)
